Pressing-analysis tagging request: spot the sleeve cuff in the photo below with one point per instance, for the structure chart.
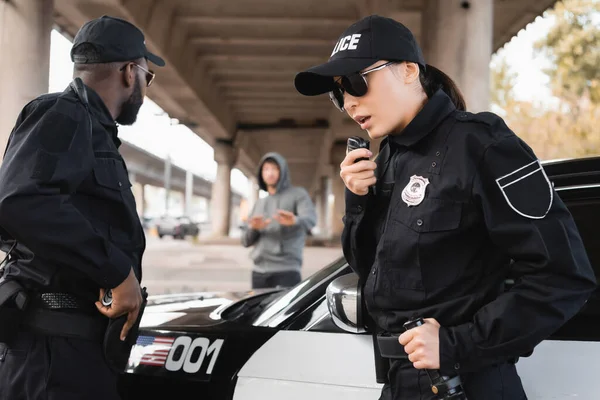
(455, 346)
(355, 204)
(118, 268)
(459, 354)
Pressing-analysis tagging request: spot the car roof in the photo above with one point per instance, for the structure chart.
(573, 172)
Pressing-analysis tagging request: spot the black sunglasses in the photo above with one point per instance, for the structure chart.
(150, 75)
(355, 84)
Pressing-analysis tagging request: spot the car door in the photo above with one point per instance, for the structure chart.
(566, 365)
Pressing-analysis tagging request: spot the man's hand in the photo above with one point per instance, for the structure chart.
(358, 176)
(126, 299)
(258, 222)
(285, 218)
(422, 344)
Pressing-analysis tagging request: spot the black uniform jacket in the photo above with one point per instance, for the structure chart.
(469, 206)
(65, 194)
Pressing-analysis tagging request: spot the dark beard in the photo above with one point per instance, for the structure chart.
(131, 108)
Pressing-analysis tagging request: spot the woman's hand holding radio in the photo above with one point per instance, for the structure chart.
(358, 176)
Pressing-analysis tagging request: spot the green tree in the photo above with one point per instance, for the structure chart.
(551, 132)
(573, 45)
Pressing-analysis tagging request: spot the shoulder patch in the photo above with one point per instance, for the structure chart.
(527, 190)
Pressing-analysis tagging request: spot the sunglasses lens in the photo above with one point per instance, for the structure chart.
(355, 84)
(337, 98)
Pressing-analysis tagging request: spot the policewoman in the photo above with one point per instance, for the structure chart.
(453, 204)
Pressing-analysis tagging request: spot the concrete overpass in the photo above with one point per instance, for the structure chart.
(231, 66)
(146, 168)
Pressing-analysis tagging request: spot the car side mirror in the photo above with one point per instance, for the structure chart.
(345, 303)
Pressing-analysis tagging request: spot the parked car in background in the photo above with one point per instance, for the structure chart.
(147, 222)
(178, 227)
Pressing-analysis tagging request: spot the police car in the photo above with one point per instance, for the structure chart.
(308, 342)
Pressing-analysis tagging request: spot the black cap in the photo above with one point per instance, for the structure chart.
(116, 40)
(365, 42)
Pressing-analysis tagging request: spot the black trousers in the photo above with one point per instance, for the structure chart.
(498, 382)
(275, 279)
(39, 367)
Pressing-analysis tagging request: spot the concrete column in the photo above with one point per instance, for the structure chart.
(167, 183)
(137, 190)
(457, 38)
(322, 205)
(142, 205)
(254, 191)
(225, 156)
(318, 200)
(338, 153)
(189, 192)
(247, 203)
(25, 27)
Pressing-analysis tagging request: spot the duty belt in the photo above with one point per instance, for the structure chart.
(62, 314)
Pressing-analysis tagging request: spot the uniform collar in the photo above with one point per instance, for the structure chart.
(435, 111)
(100, 111)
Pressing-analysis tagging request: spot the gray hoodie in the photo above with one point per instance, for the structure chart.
(280, 248)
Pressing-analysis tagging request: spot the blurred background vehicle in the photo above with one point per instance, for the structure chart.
(178, 227)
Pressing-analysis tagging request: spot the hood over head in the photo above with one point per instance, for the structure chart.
(284, 173)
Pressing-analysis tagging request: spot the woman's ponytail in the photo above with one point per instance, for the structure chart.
(432, 79)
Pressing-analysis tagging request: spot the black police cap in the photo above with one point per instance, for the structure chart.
(365, 42)
(115, 40)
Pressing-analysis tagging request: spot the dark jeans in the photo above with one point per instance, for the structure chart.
(262, 280)
(498, 382)
(39, 367)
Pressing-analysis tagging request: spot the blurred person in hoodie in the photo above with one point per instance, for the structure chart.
(277, 226)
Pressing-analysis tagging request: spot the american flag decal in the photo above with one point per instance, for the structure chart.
(155, 349)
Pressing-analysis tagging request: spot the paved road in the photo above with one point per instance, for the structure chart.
(172, 266)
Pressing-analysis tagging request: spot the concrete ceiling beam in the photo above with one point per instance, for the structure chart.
(256, 95)
(283, 21)
(253, 74)
(264, 59)
(260, 42)
(240, 103)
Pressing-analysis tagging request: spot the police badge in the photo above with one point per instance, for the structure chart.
(414, 193)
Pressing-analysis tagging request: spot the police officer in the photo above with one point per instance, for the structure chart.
(453, 204)
(67, 207)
